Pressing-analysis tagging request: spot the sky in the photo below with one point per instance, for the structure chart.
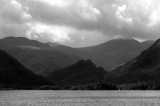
(80, 23)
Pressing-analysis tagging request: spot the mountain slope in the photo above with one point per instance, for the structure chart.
(115, 52)
(12, 72)
(80, 73)
(145, 67)
(39, 57)
(21, 41)
(44, 58)
(65, 49)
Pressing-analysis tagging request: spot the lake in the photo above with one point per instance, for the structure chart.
(79, 98)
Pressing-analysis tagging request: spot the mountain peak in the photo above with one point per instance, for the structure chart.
(144, 67)
(124, 40)
(80, 73)
(85, 63)
(15, 38)
(21, 41)
(157, 43)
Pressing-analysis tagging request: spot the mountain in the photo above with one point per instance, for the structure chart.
(44, 58)
(14, 73)
(66, 49)
(21, 41)
(81, 73)
(147, 44)
(39, 57)
(145, 67)
(115, 52)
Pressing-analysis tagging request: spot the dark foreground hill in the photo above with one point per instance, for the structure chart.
(14, 73)
(39, 57)
(43, 58)
(80, 73)
(145, 67)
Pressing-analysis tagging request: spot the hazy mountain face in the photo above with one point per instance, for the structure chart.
(12, 72)
(66, 49)
(142, 68)
(115, 52)
(44, 58)
(80, 73)
(38, 57)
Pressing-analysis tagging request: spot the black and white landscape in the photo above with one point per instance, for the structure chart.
(62, 67)
(107, 45)
(83, 44)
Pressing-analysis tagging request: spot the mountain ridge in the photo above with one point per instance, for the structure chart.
(115, 52)
(44, 58)
(13, 72)
(81, 73)
(39, 57)
(142, 68)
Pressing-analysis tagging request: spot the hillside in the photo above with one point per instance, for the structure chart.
(44, 58)
(39, 57)
(145, 67)
(80, 73)
(115, 52)
(14, 73)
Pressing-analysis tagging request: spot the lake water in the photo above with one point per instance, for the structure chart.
(79, 98)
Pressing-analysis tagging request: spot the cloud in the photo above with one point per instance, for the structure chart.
(58, 3)
(143, 16)
(48, 33)
(12, 18)
(64, 35)
(81, 38)
(80, 22)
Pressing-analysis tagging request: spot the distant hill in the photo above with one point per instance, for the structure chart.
(115, 52)
(80, 73)
(66, 49)
(145, 67)
(148, 43)
(21, 41)
(36, 56)
(14, 73)
(44, 58)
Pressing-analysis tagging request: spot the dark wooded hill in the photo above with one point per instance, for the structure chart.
(14, 73)
(145, 67)
(39, 57)
(80, 73)
(115, 52)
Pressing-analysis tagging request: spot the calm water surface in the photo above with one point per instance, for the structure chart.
(79, 98)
